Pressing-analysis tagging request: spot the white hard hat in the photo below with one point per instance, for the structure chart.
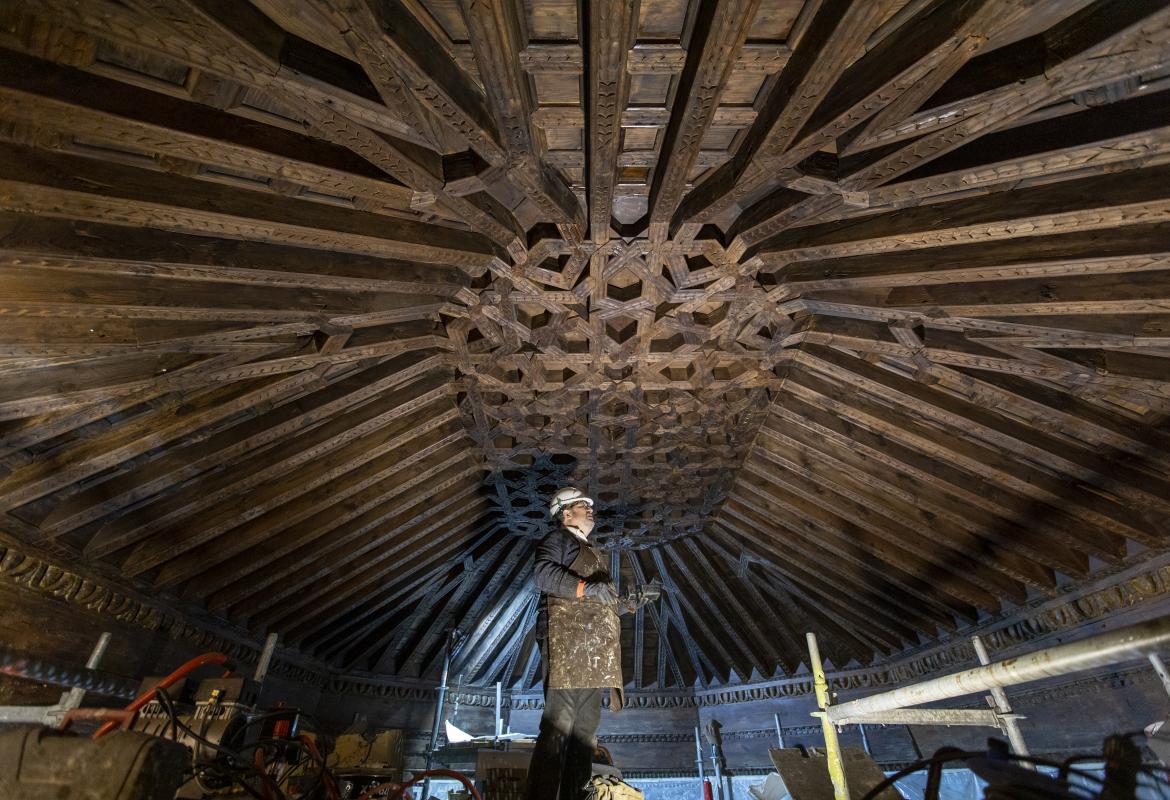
(566, 497)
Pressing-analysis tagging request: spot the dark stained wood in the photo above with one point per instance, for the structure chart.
(852, 317)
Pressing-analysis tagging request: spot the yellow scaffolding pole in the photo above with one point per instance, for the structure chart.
(832, 746)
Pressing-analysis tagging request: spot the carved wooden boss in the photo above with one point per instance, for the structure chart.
(851, 314)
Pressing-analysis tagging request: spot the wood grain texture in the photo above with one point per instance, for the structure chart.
(851, 317)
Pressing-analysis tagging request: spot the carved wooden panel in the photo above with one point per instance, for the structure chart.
(852, 316)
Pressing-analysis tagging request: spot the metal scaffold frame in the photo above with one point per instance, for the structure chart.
(1136, 641)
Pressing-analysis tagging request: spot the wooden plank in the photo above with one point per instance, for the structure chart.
(834, 37)
(252, 436)
(224, 585)
(67, 186)
(496, 37)
(708, 68)
(612, 27)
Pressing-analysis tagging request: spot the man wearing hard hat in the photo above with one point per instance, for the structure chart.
(579, 635)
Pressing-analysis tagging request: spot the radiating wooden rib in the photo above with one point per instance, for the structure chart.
(249, 436)
(303, 548)
(323, 435)
(771, 655)
(894, 610)
(705, 670)
(421, 604)
(1077, 463)
(898, 579)
(780, 641)
(831, 43)
(1009, 473)
(504, 598)
(506, 654)
(955, 556)
(1092, 49)
(496, 38)
(256, 63)
(1099, 50)
(706, 607)
(612, 25)
(65, 105)
(310, 495)
(728, 539)
(905, 494)
(344, 620)
(123, 443)
(332, 597)
(877, 632)
(504, 551)
(69, 186)
(657, 613)
(710, 61)
(428, 554)
(116, 249)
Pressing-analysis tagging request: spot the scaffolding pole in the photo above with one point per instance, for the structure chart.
(1123, 644)
(832, 746)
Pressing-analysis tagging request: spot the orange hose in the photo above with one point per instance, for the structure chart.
(399, 788)
(330, 786)
(182, 672)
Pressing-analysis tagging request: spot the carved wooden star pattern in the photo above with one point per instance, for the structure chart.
(852, 315)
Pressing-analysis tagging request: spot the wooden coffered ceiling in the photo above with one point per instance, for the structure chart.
(854, 316)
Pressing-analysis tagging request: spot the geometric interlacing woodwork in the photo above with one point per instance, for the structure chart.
(852, 315)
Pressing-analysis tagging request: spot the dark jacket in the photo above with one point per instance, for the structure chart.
(552, 575)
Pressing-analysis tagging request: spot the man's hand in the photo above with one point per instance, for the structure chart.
(601, 592)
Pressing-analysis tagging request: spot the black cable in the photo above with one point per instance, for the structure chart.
(231, 755)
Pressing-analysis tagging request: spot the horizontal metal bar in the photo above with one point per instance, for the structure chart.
(1123, 644)
(925, 716)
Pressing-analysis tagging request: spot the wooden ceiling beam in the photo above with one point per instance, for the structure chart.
(348, 620)
(1100, 517)
(249, 436)
(1103, 202)
(497, 38)
(1005, 518)
(834, 38)
(116, 249)
(890, 605)
(906, 500)
(59, 185)
(127, 441)
(612, 28)
(740, 607)
(658, 613)
(853, 555)
(317, 440)
(704, 668)
(194, 31)
(303, 548)
(871, 626)
(781, 639)
(343, 475)
(1100, 44)
(332, 598)
(959, 571)
(506, 550)
(393, 532)
(1137, 490)
(499, 608)
(747, 657)
(1094, 47)
(72, 111)
(719, 33)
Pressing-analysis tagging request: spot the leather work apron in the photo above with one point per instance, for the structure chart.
(584, 637)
